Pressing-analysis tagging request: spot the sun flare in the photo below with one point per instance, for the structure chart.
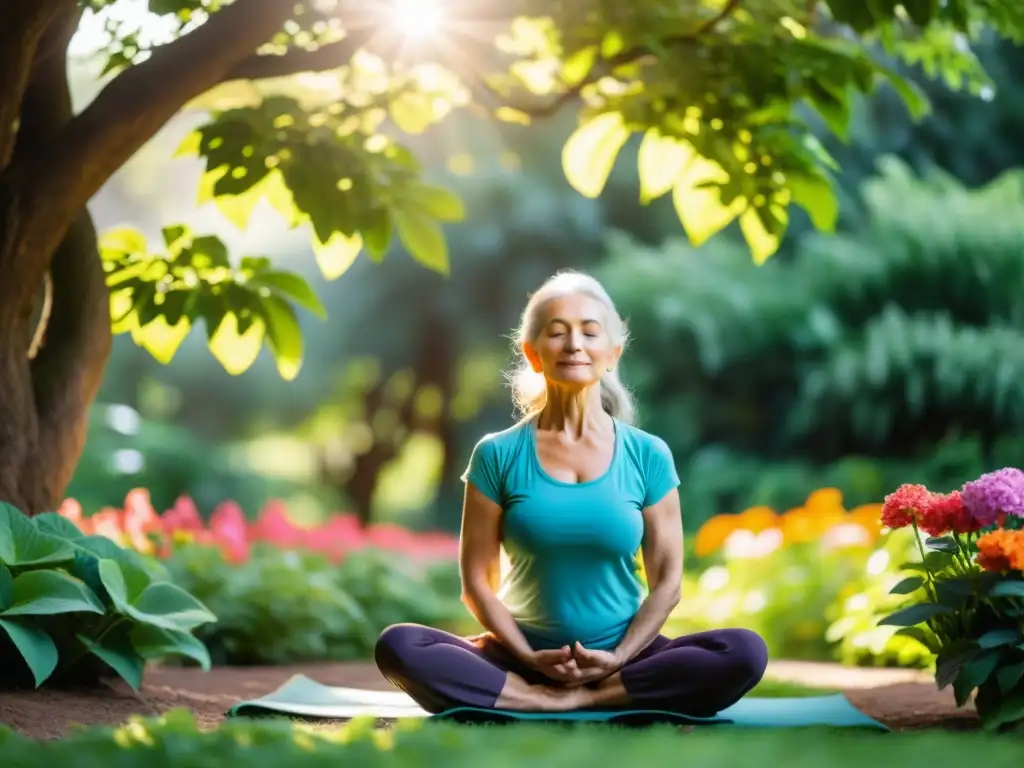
(417, 18)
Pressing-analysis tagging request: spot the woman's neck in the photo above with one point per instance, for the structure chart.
(573, 413)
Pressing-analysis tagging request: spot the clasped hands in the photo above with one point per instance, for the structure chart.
(575, 665)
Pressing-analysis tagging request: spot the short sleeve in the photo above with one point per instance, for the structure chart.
(660, 471)
(484, 470)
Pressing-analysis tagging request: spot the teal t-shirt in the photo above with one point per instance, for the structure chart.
(572, 546)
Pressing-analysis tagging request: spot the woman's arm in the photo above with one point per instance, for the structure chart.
(480, 565)
(662, 549)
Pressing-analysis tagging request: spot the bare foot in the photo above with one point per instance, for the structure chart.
(520, 696)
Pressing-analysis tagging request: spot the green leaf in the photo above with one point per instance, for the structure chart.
(155, 643)
(292, 286)
(762, 241)
(35, 646)
(159, 603)
(161, 339)
(1006, 710)
(58, 526)
(907, 586)
(816, 196)
(118, 654)
(977, 670)
(423, 237)
(697, 198)
(121, 241)
(6, 588)
(1008, 676)
(941, 544)
(412, 111)
(924, 638)
(590, 153)
(91, 549)
(436, 202)
(284, 336)
(1008, 588)
(44, 593)
(998, 637)
(173, 235)
(338, 254)
(914, 614)
(661, 160)
(23, 544)
(910, 92)
(235, 350)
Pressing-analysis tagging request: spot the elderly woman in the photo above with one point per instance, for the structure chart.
(573, 492)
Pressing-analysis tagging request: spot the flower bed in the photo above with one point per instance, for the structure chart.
(813, 581)
(964, 599)
(138, 525)
(286, 594)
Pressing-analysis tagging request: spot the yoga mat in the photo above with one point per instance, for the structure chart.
(302, 697)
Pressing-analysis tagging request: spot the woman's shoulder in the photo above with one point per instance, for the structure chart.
(646, 445)
(503, 441)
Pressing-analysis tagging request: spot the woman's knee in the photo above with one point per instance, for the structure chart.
(748, 655)
(393, 646)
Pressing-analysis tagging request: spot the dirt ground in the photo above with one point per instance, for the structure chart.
(902, 699)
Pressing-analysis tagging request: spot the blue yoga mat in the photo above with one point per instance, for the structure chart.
(302, 697)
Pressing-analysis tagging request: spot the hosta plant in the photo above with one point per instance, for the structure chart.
(74, 606)
(966, 593)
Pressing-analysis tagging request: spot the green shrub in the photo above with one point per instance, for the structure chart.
(73, 606)
(175, 739)
(288, 606)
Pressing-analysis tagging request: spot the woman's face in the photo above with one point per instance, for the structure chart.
(574, 348)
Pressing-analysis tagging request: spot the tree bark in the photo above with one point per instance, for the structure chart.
(44, 401)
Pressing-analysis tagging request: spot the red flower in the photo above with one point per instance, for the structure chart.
(951, 510)
(905, 504)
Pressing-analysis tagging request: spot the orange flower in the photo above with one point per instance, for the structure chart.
(1001, 550)
(713, 533)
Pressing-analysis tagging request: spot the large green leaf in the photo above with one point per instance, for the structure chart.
(43, 593)
(591, 151)
(35, 646)
(89, 550)
(291, 286)
(159, 603)
(117, 652)
(23, 544)
(57, 525)
(6, 587)
(155, 643)
(915, 614)
(423, 238)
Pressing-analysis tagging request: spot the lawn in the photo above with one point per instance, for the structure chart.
(177, 739)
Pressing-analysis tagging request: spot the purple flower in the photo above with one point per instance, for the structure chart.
(994, 494)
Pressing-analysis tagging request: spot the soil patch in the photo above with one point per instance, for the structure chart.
(901, 700)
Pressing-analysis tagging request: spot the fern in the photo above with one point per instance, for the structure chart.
(909, 379)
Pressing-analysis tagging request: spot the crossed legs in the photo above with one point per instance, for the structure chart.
(698, 674)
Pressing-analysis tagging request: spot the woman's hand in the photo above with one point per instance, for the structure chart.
(592, 666)
(555, 663)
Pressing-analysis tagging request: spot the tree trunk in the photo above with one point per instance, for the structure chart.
(44, 402)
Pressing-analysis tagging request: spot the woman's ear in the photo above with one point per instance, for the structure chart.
(532, 357)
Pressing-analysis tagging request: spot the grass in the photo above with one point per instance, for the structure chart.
(176, 740)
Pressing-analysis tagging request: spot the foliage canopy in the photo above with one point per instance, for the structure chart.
(720, 96)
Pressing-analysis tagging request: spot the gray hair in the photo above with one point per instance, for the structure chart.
(529, 390)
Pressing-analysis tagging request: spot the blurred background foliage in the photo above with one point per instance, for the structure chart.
(886, 353)
(794, 395)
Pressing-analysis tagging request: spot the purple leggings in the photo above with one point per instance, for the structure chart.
(698, 675)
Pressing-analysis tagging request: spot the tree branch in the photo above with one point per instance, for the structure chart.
(21, 28)
(51, 190)
(327, 57)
